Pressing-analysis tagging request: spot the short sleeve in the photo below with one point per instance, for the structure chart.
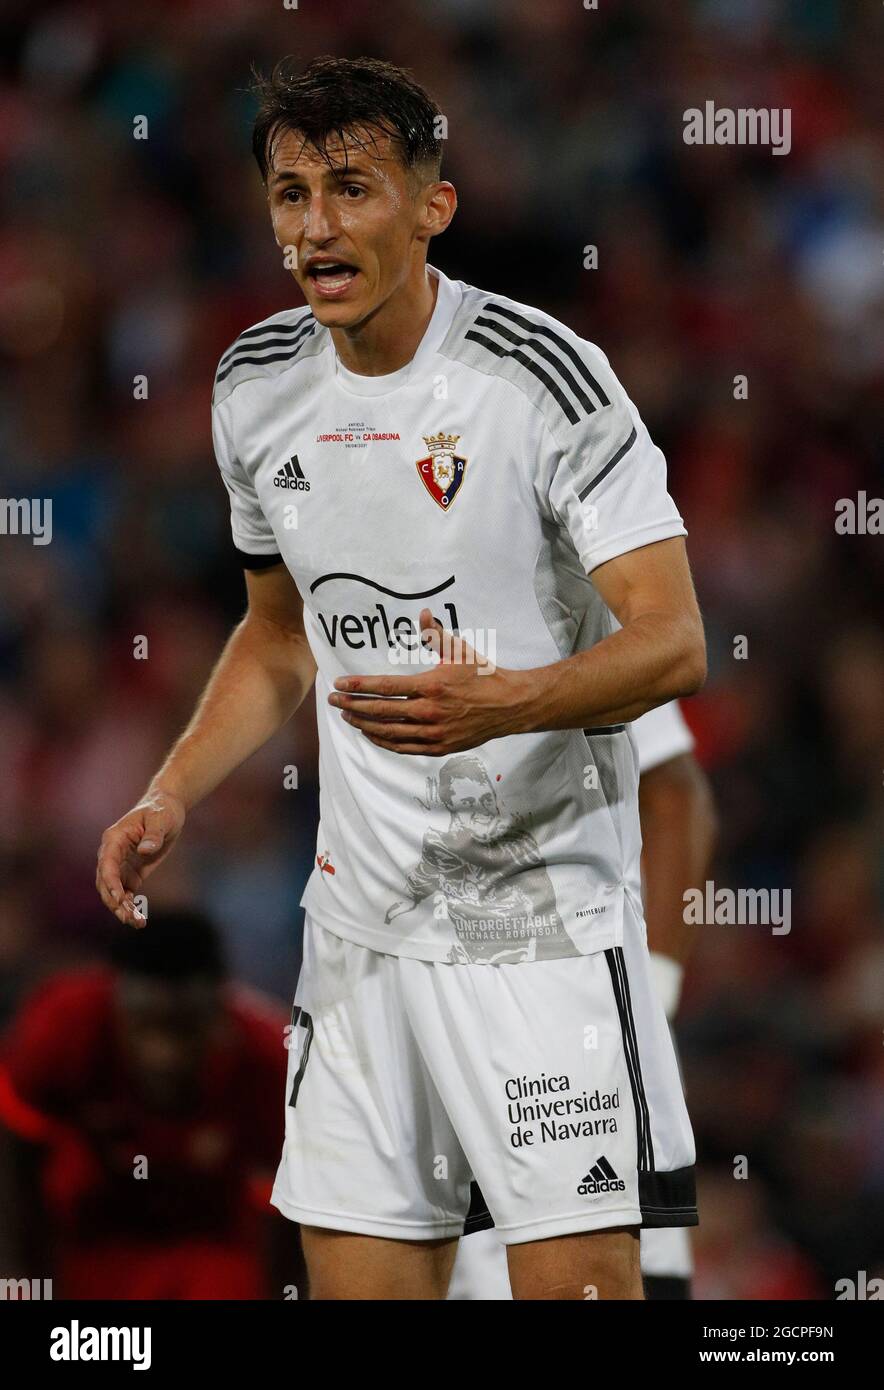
(252, 533)
(661, 735)
(606, 478)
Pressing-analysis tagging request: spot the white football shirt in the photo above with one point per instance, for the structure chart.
(660, 735)
(483, 480)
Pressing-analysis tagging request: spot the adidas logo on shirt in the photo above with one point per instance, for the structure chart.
(292, 476)
(601, 1178)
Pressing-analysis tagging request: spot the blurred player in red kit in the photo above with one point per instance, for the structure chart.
(148, 1091)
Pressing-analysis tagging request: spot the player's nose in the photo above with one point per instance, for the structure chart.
(320, 224)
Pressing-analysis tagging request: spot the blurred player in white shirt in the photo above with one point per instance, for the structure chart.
(678, 823)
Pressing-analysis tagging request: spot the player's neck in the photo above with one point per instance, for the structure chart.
(390, 337)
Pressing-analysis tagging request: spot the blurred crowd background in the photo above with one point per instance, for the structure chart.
(121, 257)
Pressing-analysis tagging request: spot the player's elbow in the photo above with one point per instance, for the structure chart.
(692, 674)
(691, 667)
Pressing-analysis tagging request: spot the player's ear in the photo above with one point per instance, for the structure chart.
(440, 205)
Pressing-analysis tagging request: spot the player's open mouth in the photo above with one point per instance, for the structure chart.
(331, 279)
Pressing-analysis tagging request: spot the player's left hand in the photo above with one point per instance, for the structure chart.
(458, 704)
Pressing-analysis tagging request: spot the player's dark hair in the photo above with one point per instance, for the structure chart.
(362, 96)
(177, 944)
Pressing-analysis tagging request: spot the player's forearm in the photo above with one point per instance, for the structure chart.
(678, 826)
(260, 679)
(655, 658)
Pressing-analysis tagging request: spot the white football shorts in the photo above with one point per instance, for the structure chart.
(553, 1085)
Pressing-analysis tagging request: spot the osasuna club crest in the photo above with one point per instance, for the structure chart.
(442, 470)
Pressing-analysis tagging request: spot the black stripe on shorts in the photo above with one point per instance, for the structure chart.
(620, 983)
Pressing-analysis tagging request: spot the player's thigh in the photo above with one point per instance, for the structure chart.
(587, 1265)
(341, 1265)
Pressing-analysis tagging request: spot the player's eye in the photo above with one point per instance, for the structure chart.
(291, 195)
(353, 191)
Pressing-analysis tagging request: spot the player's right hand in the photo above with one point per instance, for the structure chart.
(132, 848)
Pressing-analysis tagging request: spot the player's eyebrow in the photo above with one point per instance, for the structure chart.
(352, 171)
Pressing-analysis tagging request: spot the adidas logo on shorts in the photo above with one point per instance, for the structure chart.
(600, 1178)
(291, 475)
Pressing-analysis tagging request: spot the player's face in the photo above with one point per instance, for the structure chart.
(350, 232)
(166, 1029)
